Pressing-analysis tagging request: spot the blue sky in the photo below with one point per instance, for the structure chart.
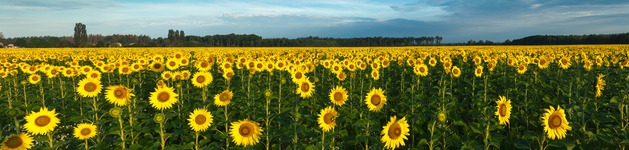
(455, 20)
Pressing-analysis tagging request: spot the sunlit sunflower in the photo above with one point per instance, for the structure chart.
(203, 65)
(565, 63)
(228, 74)
(89, 87)
(432, 62)
(118, 95)
(503, 110)
(338, 95)
(157, 66)
(167, 75)
(172, 64)
(200, 120)
(375, 99)
(305, 88)
(34, 78)
(341, 76)
(124, 70)
(375, 74)
(478, 72)
(555, 123)
(587, 65)
(421, 70)
(42, 122)
(223, 98)
(163, 98)
(94, 75)
(201, 79)
(297, 76)
(394, 133)
(245, 132)
(456, 72)
(85, 131)
(327, 119)
(600, 85)
(543, 63)
(521, 68)
(17, 142)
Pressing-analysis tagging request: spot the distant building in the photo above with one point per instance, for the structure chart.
(11, 46)
(1, 45)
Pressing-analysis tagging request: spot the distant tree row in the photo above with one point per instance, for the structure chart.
(620, 38)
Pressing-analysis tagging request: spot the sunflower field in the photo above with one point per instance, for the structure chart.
(437, 97)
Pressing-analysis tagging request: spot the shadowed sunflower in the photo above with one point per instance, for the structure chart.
(394, 133)
(522, 68)
(245, 132)
(85, 131)
(555, 123)
(118, 95)
(17, 142)
(42, 122)
(338, 95)
(565, 63)
(503, 110)
(163, 98)
(201, 79)
(200, 120)
(223, 98)
(327, 119)
(89, 87)
(375, 99)
(600, 85)
(306, 88)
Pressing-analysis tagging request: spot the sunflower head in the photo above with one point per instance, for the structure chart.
(456, 72)
(163, 98)
(327, 119)
(42, 122)
(89, 87)
(338, 95)
(201, 79)
(305, 88)
(478, 72)
(555, 123)
(17, 142)
(34, 78)
(503, 110)
(245, 132)
(394, 133)
(223, 98)
(200, 120)
(118, 95)
(85, 131)
(375, 99)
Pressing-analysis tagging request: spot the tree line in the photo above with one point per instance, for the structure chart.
(618, 38)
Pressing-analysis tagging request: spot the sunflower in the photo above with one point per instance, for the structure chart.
(327, 119)
(166, 75)
(163, 98)
(228, 74)
(522, 68)
(600, 85)
(202, 79)
(118, 95)
(306, 88)
(245, 132)
(34, 78)
(456, 72)
(421, 70)
(478, 72)
(375, 74)
(156, 66)
(85, 131)
(42, 122)
(565, 63)
(375, 99)
(223, 98)
(172, 64)
(555, 123)
(200, 120)
(543, 63)
(341, 76)
(441, 117)
(203, 65)
(297, 76)
(124, 70)
(17, 142)
(503, 110)
(89, 87)
(338, 95)
(94, 75)
(394, 133)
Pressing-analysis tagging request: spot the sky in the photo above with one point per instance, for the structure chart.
(454, 20)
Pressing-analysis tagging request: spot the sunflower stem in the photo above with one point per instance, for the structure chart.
(322, 140)
(226, 128)
(131, 123)
(121, 131)
(50, 139)
(86, 145)
(196, 141)
(161, 135)
(41, 91)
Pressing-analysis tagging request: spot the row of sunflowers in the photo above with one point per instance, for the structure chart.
(451, 97)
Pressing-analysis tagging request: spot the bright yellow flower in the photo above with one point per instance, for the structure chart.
(42, 122)
(555, 123)
(200, 120)
(89, 87)
(118, 95)
(338, 95)
(375, 99)
(85, 131)
(503, 110)
(394, 133)
(223, 98)
(163, 98)
(245, 132)
(327, 119)
(17, 142)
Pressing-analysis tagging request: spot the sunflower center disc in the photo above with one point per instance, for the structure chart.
(125, 70)
(200, 79)
(298, 75)
(94, 75)
(14, 142)
(163, 97)
(456, 71)
(85, 131)
(479, 71)
(338, 96)
(90, 87)
(172, 63)
(204, 64)
(157, 66)
(259, 66)
(119, 93)
(502, 110)
(395, 131)
(328, 118)
(305, 87)
(42, 121)
(555, 121)
(375, 100)
(245, 130)
(224, 97)
(422, 69)
(35, 78)
(200, 119)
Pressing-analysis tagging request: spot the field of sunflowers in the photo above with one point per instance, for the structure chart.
(450, 97)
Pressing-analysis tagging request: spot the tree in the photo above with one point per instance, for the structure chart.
(80, 35)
